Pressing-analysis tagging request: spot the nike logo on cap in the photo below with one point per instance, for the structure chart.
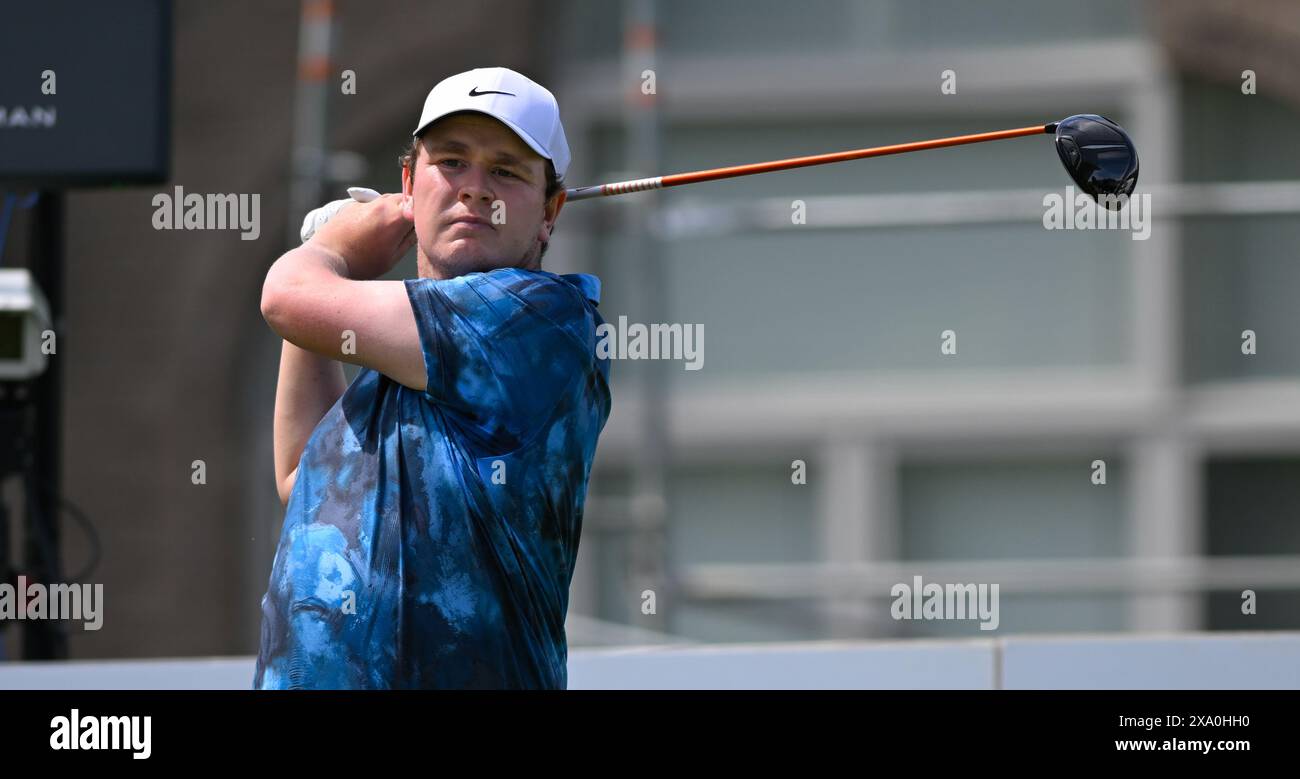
(475, 93)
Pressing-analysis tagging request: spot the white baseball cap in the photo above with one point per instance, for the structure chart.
(518, 102)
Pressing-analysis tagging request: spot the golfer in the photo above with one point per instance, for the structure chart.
(434, 506)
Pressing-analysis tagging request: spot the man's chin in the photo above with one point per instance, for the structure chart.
(463, 258)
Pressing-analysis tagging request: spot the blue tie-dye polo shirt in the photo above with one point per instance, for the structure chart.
(430, 537)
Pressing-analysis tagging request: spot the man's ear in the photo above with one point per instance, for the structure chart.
(553, 208)
(408, 192)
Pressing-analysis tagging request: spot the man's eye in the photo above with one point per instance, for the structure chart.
(456, 163)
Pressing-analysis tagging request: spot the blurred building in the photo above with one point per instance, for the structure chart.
(823, 340)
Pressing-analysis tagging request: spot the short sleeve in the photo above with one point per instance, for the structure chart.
(502, 349)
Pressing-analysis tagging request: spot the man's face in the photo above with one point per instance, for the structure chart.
(471, 165)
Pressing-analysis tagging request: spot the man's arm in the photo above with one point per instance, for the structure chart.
(313, 300)
(308, 386)
(309, 301)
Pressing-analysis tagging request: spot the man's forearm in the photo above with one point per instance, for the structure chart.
(309, 383)
(308, 386)
(309, 257)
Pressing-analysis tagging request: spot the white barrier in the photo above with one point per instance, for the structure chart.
(821, 666)
(214, 673)
(1184, 661)
(1223, 661)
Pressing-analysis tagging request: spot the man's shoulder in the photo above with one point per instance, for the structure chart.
(569, 296)
(511, 301)
(586, 285)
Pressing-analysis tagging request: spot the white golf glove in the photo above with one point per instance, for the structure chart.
(321, 215)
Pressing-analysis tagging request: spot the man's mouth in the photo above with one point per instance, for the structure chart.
(472, 221)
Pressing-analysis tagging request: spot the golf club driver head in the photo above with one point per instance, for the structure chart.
(1099, 155)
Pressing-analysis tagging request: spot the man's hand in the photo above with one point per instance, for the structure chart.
(319, 216)
(369, 237)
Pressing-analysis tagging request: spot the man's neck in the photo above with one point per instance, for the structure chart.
(430, 270)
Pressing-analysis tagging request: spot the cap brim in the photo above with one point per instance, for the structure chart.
(523, 136)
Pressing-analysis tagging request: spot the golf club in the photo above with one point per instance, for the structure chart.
(1096, 152)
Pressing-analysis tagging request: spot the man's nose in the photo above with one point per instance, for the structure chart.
(476, 184)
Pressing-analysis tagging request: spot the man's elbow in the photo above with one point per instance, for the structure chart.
(276, 304)
(292, 298)
(271, 302)
(282, 285)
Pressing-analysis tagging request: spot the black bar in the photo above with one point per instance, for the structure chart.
(1049, 731)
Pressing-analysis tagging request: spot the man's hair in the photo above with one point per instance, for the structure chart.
(553, 183)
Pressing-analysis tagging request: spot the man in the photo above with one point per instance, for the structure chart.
(433, 511)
